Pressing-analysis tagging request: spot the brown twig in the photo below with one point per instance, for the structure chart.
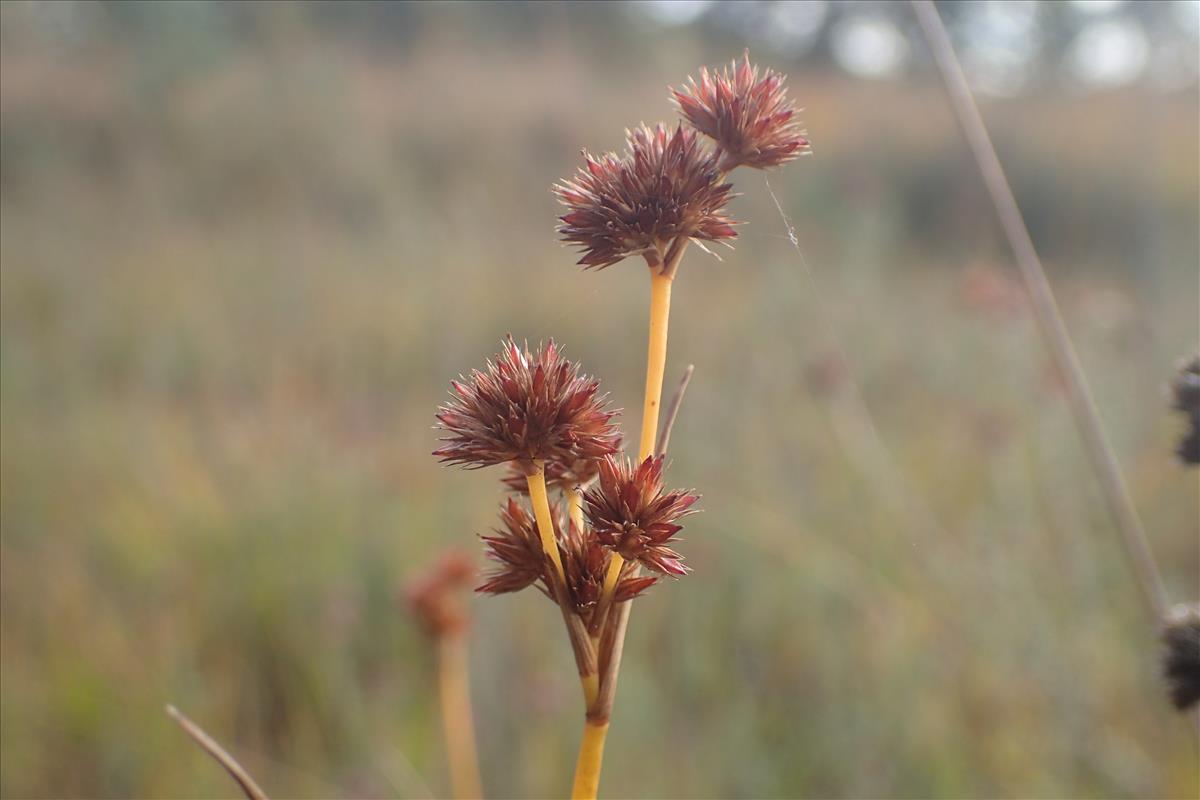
(1083, 405)
(612, 647)
(664, 436)
(222, 757)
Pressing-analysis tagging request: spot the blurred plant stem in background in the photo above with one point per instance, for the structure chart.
(1045, 307)
(457, 720)
(435, 598)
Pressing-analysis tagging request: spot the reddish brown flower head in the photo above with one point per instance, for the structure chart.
(750, 118)
(517, 551)
(665, 187)
(435, 597)
(585, 562)
(630, 513)
(525, 407)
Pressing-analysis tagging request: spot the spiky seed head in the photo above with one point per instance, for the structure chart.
(632, 514)
(665, 187)
(1185, 397)
(586, 562)
(435, 597)
(525, 407)
(751, 119)
(516, 549)
(1181, 655)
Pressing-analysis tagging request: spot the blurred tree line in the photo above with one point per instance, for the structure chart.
(98, 86)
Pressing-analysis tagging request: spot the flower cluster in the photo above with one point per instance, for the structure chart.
(586, 562)
(632, 514)
(666, 187)
(524, 408)
(516, 550)
(540, 416)
(537, 412)
(751, 119)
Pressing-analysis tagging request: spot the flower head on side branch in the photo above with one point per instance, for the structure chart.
(751, 119)
(516, 550)
(632, 514)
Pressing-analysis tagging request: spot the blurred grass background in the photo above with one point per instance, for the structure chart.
(245, 248)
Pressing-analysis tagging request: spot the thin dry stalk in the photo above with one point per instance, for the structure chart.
(219, 754)
(664, 437)
(1083, 405)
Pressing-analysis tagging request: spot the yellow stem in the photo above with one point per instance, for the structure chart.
(541, 512)
(614, 572)
(589, 679)
(656, 363)
(575, 506)
(591, 685)
(456, 716)
(591, 753)
(656, 360)
(591, 749)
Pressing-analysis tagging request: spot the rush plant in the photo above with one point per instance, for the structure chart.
(596, 518)
(436, 602)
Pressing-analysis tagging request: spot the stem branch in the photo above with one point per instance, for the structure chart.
(664, 438)
(581, 644)
(545, 522)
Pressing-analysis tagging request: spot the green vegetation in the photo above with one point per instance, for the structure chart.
(238, 272)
